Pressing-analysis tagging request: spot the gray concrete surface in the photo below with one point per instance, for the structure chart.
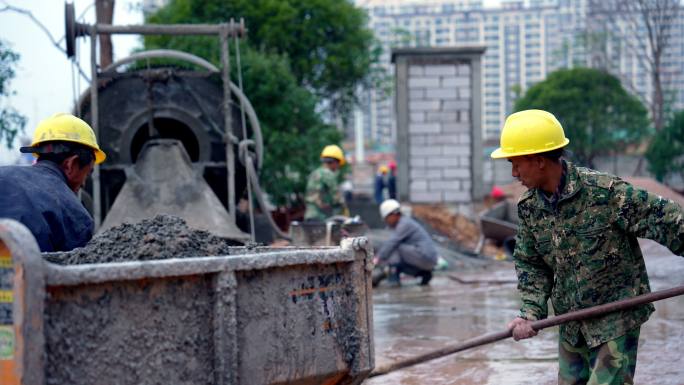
(416, 319)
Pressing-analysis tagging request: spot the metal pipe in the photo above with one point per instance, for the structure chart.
(227, 116)
(94, 123)
(254, 181)
(252, 232)
(163, 53)
(536, 325)
(161, 29)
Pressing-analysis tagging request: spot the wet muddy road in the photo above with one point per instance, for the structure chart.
(415, 319)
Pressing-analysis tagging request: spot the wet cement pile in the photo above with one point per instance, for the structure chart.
(162, 237)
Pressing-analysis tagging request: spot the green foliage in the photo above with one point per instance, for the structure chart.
(596, 112)
(294, 134)
(666, 152)
(297, 52)
(329, 47)
(11, 121)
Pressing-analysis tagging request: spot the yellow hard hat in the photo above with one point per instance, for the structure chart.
(530, 132)
(383, 169)
(67, 128)
(335, 152)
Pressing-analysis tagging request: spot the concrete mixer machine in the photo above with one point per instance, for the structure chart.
(132, 108)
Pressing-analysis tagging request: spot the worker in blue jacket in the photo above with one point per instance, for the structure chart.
(44, 196)
(379, 185)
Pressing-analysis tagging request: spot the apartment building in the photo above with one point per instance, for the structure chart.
(525, 41)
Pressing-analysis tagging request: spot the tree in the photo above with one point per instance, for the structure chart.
(11, 121)
(296, 53)
(644, 28)
(666, 151)
(294, 134)
(327, 43)
(596, 112)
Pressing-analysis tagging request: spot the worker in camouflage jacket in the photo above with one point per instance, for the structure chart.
(577, 245)
(323, 194)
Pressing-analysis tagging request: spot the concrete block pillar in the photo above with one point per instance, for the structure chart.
(439, 124)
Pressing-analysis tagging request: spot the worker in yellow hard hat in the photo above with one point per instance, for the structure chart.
(323, 195)
(577, 245)
(44, 196)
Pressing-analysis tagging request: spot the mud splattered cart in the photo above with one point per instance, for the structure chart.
(257, 316)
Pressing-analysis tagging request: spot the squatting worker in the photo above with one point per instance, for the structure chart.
(577, 244)
(409, 250)
(43, 196)
(324, 197)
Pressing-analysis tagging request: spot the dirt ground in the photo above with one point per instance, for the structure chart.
(458, 228)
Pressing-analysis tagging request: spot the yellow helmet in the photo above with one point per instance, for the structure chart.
(383, 169)
(530, 132)
(67, 128)
(335, 152)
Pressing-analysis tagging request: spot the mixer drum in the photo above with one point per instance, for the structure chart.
(183, 105)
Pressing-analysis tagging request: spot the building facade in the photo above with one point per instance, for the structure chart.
(525, 41)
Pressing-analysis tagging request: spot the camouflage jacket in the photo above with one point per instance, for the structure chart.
(585, 252)
(323, 195)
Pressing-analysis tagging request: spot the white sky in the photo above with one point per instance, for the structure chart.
(43, 81)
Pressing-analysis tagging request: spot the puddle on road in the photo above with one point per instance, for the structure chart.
(414, 320)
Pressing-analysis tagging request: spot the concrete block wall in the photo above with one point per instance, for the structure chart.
(438, 126)
(439, 132)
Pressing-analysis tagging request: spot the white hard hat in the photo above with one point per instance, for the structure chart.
(388, 207)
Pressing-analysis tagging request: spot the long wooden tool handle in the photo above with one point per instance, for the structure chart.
(537, 325)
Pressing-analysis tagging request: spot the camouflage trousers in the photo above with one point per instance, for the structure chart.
(611, 363)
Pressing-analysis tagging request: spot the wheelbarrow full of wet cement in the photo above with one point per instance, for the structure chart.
(257, 316)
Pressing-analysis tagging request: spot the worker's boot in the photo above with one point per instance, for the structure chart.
(394, 275)
(425, 277)
(379, 273)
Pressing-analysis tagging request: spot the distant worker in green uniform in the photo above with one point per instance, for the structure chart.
(324, 197)
(577, 244)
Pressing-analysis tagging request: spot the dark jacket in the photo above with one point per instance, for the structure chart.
(378, 187)
(39, 197)
(392, 185)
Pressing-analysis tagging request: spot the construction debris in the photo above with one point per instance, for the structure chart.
(458, 228)
(162, 237)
